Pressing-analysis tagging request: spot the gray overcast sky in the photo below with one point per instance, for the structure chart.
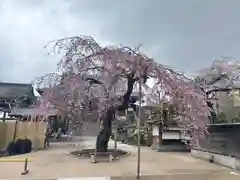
(185, 34)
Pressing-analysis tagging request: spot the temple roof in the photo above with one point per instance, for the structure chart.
(31, 111)
(15, 90)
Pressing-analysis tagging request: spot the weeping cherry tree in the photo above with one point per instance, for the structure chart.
(89, 77)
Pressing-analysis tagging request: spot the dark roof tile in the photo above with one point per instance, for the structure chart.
(12, 90)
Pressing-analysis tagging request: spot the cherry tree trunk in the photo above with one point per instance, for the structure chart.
(160, 135)
(105, 131)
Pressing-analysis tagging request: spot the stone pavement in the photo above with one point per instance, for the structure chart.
(56, 163)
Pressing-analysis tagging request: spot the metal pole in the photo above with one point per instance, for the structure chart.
(138, 126)
(99, 129)
(115, 143)
(25, 171)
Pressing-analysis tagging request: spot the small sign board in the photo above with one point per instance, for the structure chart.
(155, 131)
(236, 97)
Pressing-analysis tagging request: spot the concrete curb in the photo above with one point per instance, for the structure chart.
(86, 178)
(227, 161)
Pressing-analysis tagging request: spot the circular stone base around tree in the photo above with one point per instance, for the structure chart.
(86, 153)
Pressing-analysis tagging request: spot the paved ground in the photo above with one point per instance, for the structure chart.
(56, 162)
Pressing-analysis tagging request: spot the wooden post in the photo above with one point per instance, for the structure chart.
(150, 135)
(4, 116)
(15, 131)
(160, 133)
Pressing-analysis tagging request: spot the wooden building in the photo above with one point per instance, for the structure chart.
(17, 95)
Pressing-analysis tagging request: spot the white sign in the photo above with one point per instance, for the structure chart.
(171, 135)
(155, 131)
(236, 97)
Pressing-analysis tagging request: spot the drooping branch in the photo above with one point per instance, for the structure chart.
(222, 76)
(95, 70)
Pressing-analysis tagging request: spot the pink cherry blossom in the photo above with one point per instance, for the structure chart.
(71, 88)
